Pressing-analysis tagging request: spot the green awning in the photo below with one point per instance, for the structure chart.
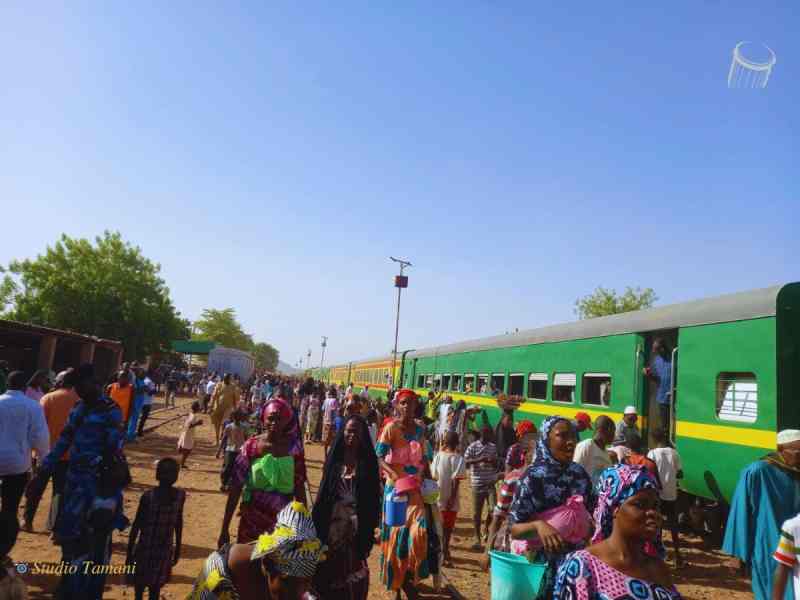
(192, 347)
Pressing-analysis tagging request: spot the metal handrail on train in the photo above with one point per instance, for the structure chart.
(672, 389)
(637, 374)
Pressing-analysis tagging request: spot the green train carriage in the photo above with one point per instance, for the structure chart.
(736, 375)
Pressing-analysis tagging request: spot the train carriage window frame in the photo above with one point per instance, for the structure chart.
(420, 381)
(596, 389)
(516, 384)
(497, 378)
(737, 397)
(539, 378)
(469, 380)
(437, 382)
(482, 384)
(446, 381)
(455, 383)
(428, 381)
(564, 380)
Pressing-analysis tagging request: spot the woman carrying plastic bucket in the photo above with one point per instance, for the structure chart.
(404, 455)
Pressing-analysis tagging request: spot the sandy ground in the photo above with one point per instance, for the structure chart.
(710, 574)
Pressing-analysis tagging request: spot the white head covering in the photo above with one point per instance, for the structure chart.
(629, 410)
(787, 436)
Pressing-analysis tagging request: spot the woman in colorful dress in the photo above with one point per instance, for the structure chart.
(278, 565)
(269, 472)
(403, 451)
(346, 513)
(548, 483)
(626, 556)
(93, 432)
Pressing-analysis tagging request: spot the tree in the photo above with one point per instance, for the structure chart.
(607, 302)
(221, 326)
(266, 357)
(107, 289)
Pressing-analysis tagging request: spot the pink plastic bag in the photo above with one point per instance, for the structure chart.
(571, 520)
(410, 455)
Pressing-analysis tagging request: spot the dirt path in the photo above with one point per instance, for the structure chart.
(711, 575)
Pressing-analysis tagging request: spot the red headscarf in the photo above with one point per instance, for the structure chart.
(524, 427)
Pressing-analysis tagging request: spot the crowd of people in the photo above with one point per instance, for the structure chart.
(581, 498)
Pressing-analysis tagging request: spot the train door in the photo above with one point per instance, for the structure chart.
(649, 387)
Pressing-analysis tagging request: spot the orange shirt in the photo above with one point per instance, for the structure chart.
(57, 405)
(122, 396)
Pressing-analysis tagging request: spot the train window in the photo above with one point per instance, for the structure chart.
(737, 397)
(564, 387)
(420, 381)
(456, 383)
(498, 383)
(446, 382)
(516, 384)
(469, 383)
(537, 386)
(429, 381)
(596, 389)
(483, 384)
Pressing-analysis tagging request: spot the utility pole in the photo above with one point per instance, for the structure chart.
(322, 360)
(308, 361)
(400, 282)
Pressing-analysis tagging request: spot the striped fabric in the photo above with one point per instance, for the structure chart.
(787, 551)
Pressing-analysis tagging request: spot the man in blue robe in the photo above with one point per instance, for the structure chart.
(768, 493)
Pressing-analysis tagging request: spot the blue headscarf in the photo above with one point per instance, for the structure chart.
(547, 483)
(617, 484)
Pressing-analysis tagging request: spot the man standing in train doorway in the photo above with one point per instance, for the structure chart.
(660, 371)
(768, 493)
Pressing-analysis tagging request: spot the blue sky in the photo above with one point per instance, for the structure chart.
(271, 156)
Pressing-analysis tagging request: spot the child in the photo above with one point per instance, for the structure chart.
(481, 457)
(448, 469)
(160, 515)
(11, 585)
(186, 440)
(668, 462)
(633, 441)
(233, 438)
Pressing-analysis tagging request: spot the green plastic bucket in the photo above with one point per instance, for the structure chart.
(513, 577)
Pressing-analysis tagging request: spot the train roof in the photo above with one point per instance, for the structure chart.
(753, 304)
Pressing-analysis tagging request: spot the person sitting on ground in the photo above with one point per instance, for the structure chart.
(670, 469)
(159, 519)
(626, 551)
(277, 565)
(592, 454)
(481, 458)
(12, 587)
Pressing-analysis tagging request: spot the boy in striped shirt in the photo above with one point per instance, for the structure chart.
(787, 556)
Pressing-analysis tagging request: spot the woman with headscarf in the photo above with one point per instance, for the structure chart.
(223, 401)
(346, 513)
(625, 559)
(549, 483)
(92, 500)
(278, 565)
(269, 471)
(518, 452)
(403, 452)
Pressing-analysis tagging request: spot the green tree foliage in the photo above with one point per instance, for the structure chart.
(607, 302)
(222, 327)
(266, 357)
(106, 288)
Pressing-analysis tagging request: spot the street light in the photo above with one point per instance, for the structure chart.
(324, 344)
(308, 362)
(400, 282)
